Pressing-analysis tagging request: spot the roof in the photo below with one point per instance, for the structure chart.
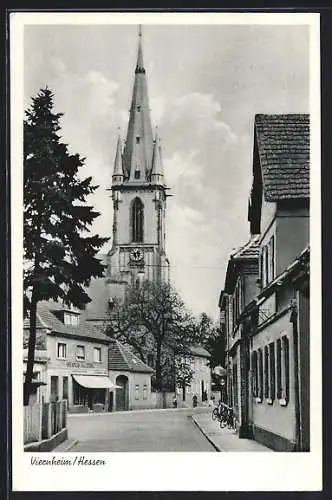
(120, 358)
(199, 351)
(48, 316)
(248, 251)
(283, 143)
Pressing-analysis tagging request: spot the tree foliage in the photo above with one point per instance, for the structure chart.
(59, 253)
(154, 321)
(183, 373)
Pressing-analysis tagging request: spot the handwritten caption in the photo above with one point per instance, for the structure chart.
(76, 461)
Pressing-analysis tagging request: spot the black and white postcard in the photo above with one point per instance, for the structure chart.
(165, 218)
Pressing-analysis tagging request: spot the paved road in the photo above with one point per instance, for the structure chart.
(163, 430)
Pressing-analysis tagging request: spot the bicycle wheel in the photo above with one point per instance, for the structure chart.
(215, 414)
(223, 423)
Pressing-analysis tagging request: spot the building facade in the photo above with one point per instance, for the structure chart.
(272, 384)
(74, 361)
(132, 378)
(240, 288)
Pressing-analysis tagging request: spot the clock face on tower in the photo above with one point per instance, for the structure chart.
(136, 254)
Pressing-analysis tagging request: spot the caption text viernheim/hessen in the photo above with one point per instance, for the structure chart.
(78, 460)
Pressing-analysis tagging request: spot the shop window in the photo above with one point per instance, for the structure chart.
(80, 352)
(136, 391)
(145, 392)
(97, 354)
(99, 396)
(79, 394)
(65, 388)
(61, 350)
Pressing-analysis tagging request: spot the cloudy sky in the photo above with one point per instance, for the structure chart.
(206, 82)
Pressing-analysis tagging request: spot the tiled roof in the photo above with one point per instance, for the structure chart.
(120, 358)
(48, 317)
(283, 147)
(248, 251)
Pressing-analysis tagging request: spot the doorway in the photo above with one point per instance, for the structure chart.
(122, 393)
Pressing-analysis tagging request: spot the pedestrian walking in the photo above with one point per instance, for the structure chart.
(194, 400)
(175, 402)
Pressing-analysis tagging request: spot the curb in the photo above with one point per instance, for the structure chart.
(71, 445)
(107, 413)
(206, 435)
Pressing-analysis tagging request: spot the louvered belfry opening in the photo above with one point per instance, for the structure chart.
(137, 220)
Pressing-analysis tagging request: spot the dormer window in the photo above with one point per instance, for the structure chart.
(70, 319)
(137, 172)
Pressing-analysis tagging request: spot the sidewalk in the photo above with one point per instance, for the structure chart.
(224, 439)
(65, 446)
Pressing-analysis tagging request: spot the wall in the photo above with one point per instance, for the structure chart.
(267, 215)
(292, 236)
(279, 420)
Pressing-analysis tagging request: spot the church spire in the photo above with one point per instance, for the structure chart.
(157, 172)
(137, 155)
(140, 65)
(118, 170)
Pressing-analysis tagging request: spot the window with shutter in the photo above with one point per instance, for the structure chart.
(272, 372)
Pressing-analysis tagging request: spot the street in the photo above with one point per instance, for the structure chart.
(161, 430)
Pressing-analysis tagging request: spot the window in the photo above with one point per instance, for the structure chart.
(80, 352)
(266, 373)
(285, 349)
(62, 350)
(260, 374)
(138, 107)
(254, 375)
(271, 273)
(137, 220)
(272, 373)
(145, 392)
(279, 369)
(97, 355)
(99, 396)
(137, 173)
(235, 391)
(138, 139)
(267, 265)
(70, 319)
(136, 391)
(79, 394)
(65, 388)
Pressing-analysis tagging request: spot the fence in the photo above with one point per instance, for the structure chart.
(43, 420)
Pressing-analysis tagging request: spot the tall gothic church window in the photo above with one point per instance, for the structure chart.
(137, 220)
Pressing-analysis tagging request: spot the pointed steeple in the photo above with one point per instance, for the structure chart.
(118, 170)
(137, 155)
(157, 172)
(140, 65)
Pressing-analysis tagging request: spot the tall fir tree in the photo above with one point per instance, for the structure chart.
(59, 253)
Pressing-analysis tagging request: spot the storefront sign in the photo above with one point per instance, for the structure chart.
(79, 364)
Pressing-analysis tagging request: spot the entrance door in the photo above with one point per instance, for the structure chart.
(122, 393)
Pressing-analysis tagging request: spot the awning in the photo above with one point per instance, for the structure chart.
(95, 382)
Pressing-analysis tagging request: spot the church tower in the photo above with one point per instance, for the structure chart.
(138, 192)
